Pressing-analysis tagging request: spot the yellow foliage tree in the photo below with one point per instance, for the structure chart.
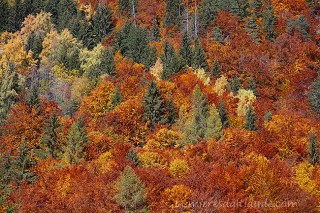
(220, 85)
(177, 197)
(178, 168)
(151, 159)
(246, 99)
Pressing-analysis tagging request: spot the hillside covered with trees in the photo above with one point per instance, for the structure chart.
(159, 106)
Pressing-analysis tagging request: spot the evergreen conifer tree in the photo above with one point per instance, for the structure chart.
(252, 29)
(116, 99)
(313, 149)
(50, 139)
(185, 50)
(268, 22)
(154, 107)
(9, 89)
(200, 111)
(102, 24)
(171, 112)
(199, 57)
(235, 85)
(74, 151)
(314, 96)
(132, 193)
(253, 86)
(132, 156)
(250, 119)
(223, 115)
(172, 63)
(172, 14)
(155, 31)
(217, 35)
(216, 70)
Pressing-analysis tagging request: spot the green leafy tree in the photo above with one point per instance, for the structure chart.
(208, 11)
(34, 44)
(74, 150)
(199, 57)
(154, 107)
(66, 11)
(250, 119)
(185, 50)
(171, 112)
(223, 115)
(132, 193)
(313, 149)
(4, 14)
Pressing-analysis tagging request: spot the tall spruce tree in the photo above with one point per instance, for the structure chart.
(117, 98)
(66, 11)
(235, 85)
(172, 62)
(217, 35)
(200, 112)
(4, 14)
(185, 50)
(250, 119)
(77, 141)
(9, 89)
(132, 156)
(223, 115)
(50, 140)
(132, 193)
(208, 11)
(253, 86)
(173, 13)
(313, 149)
(252, 29)
(34, 43)
(171, 112)
(268, 22)
(199, 57)
(154, 107)
(216, 70)
(155, 31)
(314, 96)
(102, 23)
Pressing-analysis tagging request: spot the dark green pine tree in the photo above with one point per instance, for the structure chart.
(9, 89)
(185, 50)
(132, 193)
(235, 85)
(102, 24)
(172, 14)
(252, 29)
(216, 70)
(200, 112)
(33, 97)
(150, 58)
(124, 6)
(223, 115)
(303, 26)
(50, 146)
(313, 149)
(199, 57)
(267, 116)
(255, 7)
(239, 7)
(117, 98)
(34, 43)
(250, 119)
(86, 34)
(21, 166)
(208, 11)
(77, 141)
(66, 11)
(155, 31)
(4, 14)
(268, 22)
(132, 156)
(253, 86)
(171, 112)
(217, 35)
(172, 63)
(154, 107)
(5, 186)
(314, 96)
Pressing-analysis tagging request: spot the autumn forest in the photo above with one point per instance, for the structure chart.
(159, 106)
